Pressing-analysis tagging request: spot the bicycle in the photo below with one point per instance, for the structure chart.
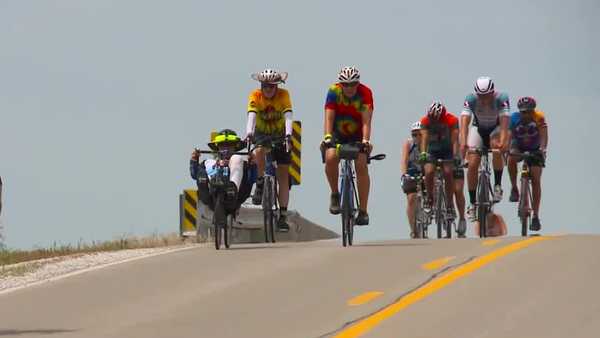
(525, 199)
(270, 196)
(347, 153)
(484, 199)
(422, 219)
(442, 218)
(222, 219)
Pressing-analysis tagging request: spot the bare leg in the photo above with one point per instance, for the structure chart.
(410, 210)
(363, 180)
(512, 170)
(283, 182)
(429, 181)
(332, 172)
(259, 159)
(449, 177)
(472, 171)
(459, 195)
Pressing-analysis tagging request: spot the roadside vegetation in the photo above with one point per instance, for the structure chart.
(13, 256)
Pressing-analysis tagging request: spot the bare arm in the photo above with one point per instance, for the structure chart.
(329, 118)
(454, 140)
(366, 125)
(424, 140)
(544, 137)
(404, 158)
(465, 120)
(504, 120)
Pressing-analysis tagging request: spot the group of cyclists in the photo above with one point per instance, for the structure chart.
(484, 122)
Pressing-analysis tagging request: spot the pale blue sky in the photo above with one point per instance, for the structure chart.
(102, 101)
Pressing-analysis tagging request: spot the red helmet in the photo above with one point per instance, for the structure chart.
(526, 103)
(436, 110)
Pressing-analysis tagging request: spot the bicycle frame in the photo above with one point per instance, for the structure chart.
(270, 198)
(222, 220)
(349, 201)
(484, 201)
(442, 218)
(422, 220)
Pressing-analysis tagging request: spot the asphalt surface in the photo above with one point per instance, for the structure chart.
(548, 288)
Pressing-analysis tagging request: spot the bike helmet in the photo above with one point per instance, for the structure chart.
(349, 74)
(526, 103)
(484, 85)
(225, 136)
(436, 110)
(270, 76)
(416, 126)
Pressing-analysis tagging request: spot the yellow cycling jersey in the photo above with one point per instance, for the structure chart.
(270, 113)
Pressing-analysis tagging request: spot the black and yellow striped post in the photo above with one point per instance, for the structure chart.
(188, 206)
(296, 165)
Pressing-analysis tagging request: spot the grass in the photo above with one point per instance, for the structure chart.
(13, 256)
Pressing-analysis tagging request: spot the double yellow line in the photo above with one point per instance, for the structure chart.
(361, 327)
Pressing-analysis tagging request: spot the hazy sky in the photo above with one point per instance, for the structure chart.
(101, 101)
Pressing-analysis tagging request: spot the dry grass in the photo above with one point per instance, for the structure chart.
(10, 256)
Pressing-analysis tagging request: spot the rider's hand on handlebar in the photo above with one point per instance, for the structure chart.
(423, 157)
(249, 138)
(327, 141)
(368, 147)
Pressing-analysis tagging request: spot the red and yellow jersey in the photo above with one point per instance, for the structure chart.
(270, 113)
(348, 111)
(440, 131)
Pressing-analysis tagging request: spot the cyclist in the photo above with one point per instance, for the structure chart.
(409, 166)
(439, 141)
(348, 113)
(529, 134)
(270, 117)
(240, 185)
(488, 111)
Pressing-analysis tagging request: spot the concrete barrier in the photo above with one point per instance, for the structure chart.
(248, 227)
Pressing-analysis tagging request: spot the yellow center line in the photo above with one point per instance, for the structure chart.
(364, 298)
(490, 242)
(438, 263)
(361, 327)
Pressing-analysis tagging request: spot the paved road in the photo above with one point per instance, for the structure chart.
(540, 288)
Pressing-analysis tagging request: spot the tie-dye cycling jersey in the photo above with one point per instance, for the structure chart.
(348, 111)
(526, 135)
(270, 113)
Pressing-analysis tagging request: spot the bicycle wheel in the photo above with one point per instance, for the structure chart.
(440, 207)
(524, 206)
(347, 214)
(219, 221)
(483, 205)
(267, 205)
(227, 231)
(418, 230)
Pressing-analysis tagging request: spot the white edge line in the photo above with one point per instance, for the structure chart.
(93, 268)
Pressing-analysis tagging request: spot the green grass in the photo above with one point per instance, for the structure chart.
(13, 256)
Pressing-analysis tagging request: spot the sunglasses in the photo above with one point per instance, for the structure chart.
(528, 111)
(349, 85)
(268, 86)
(416, 134)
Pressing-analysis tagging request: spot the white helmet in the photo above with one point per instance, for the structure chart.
(270, 76)
(484, 85)
(349, 74)
(416, 126)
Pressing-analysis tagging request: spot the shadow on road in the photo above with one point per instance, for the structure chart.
(392, 244)
(257, 247)
(40, 332)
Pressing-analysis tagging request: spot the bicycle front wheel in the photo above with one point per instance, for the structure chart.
(524, 213)
(268, 215)
(483, 205)
(219, 221)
